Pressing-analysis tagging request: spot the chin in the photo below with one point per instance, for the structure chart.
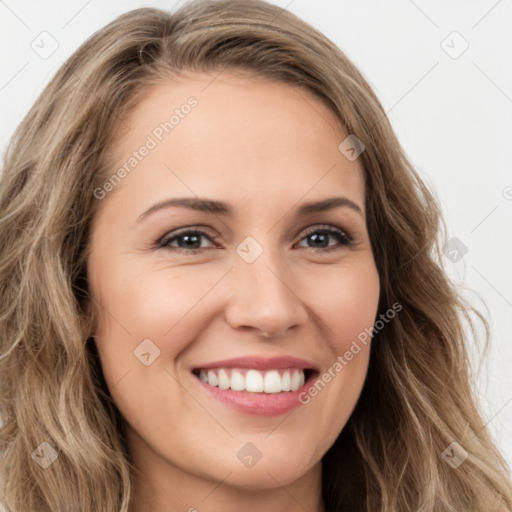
(270, 471)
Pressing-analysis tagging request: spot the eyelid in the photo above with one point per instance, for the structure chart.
(168, 236)
(313, 228)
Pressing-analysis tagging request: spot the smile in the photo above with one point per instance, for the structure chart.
(255, 381)
(256, 384)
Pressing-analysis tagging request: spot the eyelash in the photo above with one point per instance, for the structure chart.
(345, 239)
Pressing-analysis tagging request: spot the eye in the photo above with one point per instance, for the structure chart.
(189, 239)
(321, 234)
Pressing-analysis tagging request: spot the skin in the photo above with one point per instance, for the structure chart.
(264, 147)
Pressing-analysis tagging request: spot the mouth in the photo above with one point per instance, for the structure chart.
(255, 384)
(252, 380)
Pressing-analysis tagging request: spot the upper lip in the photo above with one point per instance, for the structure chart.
(259, 363)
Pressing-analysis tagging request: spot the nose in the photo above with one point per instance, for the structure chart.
(264, 298)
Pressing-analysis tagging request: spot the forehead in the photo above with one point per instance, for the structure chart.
(233, 135)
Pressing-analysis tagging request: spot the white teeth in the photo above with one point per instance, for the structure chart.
(254, 381)
(212, 378)
(295, 381)
(272, 382)
(224, 381)
(237, 381)
(286, 381)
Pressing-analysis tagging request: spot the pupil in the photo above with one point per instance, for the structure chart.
(316, 237)
(190, 239)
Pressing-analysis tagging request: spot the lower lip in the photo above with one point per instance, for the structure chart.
(259, 404)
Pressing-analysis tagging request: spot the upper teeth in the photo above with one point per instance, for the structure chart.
(254, 381)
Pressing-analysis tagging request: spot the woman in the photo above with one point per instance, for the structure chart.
(259, 371)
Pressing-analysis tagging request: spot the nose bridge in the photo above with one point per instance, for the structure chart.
(263, 295)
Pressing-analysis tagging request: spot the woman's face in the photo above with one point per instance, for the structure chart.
(186, 294)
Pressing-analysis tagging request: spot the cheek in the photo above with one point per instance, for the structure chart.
(347, 312)
(345, 300)
(162, 304)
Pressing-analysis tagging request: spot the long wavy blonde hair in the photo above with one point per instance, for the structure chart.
(418, 397)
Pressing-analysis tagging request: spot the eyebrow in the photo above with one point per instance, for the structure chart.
(226, 210)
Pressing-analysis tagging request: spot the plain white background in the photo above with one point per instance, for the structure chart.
(443, 73)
